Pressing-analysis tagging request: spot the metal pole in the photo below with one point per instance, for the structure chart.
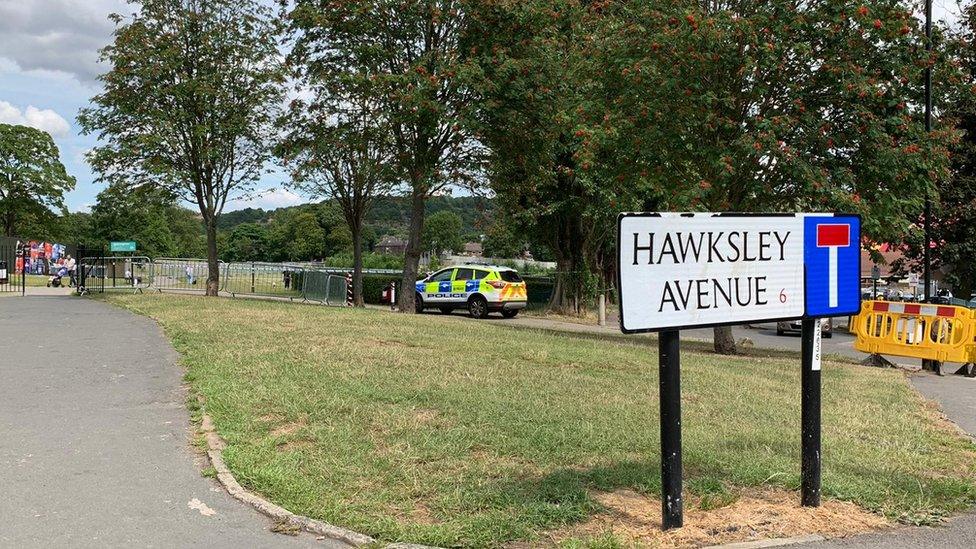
(670, 395)
(928, 128)
(810, 413)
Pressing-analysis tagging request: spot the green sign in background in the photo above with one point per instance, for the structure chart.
(125, 246)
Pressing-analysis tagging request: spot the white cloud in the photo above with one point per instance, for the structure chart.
(57, 35)
(267, 199)
(43, 119)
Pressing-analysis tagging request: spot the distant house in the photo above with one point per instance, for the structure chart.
(888, 253)
(472, 249)
(391, 245)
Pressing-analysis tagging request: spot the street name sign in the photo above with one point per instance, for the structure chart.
(122, 246)
(683, 270)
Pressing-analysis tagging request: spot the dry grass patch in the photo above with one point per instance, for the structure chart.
(633, 519)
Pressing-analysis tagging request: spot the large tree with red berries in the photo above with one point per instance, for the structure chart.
(737, 105)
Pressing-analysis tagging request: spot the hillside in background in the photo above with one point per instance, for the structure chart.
(389, 215)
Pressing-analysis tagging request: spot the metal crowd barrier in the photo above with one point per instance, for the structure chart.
(181, 274)
(324, 287)
(263, 279)
(944, 333)
(282, 280)
(133, 273)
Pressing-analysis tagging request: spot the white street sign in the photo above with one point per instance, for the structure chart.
(685, 270)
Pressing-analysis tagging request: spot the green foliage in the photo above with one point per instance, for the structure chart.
(953, 224)
(189, 103)
(297, 236)
(374, 285)
(370, 261)
(229, 220)
(150, 217)
(746, 106)
(32, 179)
(442, 232)
(502, 240)
(389, 214)
(246, 242)
(401, 62)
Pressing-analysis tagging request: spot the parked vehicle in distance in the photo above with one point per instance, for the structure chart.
(794, 326)
(481, 289)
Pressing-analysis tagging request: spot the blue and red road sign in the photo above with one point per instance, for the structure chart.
(832, 261)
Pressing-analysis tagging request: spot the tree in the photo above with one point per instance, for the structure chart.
(535, 73)
(770, 106)
(502, 241)
(733, 105)
(295, 235)
(247, 242)
(442, 233)
(402, 58)
(953, 224)
(32, 179)
(150, 217)
(189, 103)
(343, 153)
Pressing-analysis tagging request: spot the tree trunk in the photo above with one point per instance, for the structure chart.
(411, 257)
(724, 341)
(569, 288)
(8, 224)
(357, 264)
(213, 266)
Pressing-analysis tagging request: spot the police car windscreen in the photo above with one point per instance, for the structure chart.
(511, 276)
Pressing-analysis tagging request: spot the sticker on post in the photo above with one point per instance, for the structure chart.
(817, 345)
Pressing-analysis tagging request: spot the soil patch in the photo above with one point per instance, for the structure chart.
(757, 513)
(289, 428)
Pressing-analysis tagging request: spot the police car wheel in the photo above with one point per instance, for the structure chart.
(509, 313)
(418, 303)
(478, 307)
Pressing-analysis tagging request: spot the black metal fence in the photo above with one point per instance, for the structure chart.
(10, 279)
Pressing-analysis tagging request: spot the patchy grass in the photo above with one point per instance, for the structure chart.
(453, 432)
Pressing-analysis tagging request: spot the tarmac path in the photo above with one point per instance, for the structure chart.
(95, 437)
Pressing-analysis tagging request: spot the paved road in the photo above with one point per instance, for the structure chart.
(94, 437)
(957, 397)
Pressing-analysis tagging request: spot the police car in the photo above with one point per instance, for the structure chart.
(480, 289)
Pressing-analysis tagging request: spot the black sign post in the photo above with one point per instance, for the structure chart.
(669, 362)
(810, 413)
(682, 270)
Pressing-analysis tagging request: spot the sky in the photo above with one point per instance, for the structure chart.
(49, 68)
(48, 71)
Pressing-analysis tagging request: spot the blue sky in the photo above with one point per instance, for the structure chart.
(48, 71)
